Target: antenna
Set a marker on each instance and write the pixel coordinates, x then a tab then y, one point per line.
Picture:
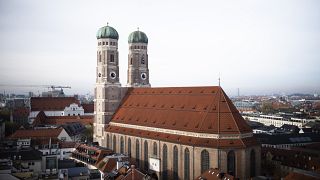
219	79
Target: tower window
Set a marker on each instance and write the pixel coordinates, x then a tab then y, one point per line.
142	60
131	61
111	58
102	43
99	56
106	43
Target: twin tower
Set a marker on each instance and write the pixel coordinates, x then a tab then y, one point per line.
108	90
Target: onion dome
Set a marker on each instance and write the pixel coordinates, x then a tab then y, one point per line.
138	37
107	32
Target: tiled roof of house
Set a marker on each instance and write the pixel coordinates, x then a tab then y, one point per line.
42	119
134	174
51	103
88	108
214	174
205	110
36	133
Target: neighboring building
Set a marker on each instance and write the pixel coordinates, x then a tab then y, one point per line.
287	141
214	174
20	115
187	129
90	155
2	129
55	106
88	109
43	120
277	120
24	160
304	160
245	105
58	133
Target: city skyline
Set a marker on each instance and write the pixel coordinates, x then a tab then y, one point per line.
260	47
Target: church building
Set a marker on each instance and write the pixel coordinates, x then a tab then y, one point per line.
170	132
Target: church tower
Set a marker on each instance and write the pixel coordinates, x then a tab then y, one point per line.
138	72
108	87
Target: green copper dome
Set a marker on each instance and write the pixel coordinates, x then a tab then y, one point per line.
107	32
138	37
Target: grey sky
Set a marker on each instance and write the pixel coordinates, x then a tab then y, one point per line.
257	46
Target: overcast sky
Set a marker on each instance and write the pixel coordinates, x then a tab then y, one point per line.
261	47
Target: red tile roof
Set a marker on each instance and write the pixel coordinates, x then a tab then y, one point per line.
42	119
189	109
88	108
134	174
51	103
36	133
214	174
193	109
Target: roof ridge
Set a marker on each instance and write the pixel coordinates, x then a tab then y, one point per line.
228	105
207	112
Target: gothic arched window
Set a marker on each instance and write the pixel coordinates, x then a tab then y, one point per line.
175	163
146	165
129	147
231	163
121	145
155	149
252	163
131	61
186	164
164	162
204	161
137	153
114	143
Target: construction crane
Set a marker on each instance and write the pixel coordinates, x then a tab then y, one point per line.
52	87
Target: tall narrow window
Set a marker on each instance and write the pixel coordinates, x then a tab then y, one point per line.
155	149
111	58
129	147
204	160
137	153
175	163
121	145
131	61
164	162
186	164
252	163
108	141
146	165
99	56
142	60
231	163
114	143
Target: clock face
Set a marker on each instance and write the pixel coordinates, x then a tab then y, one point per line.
143	76
113	75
